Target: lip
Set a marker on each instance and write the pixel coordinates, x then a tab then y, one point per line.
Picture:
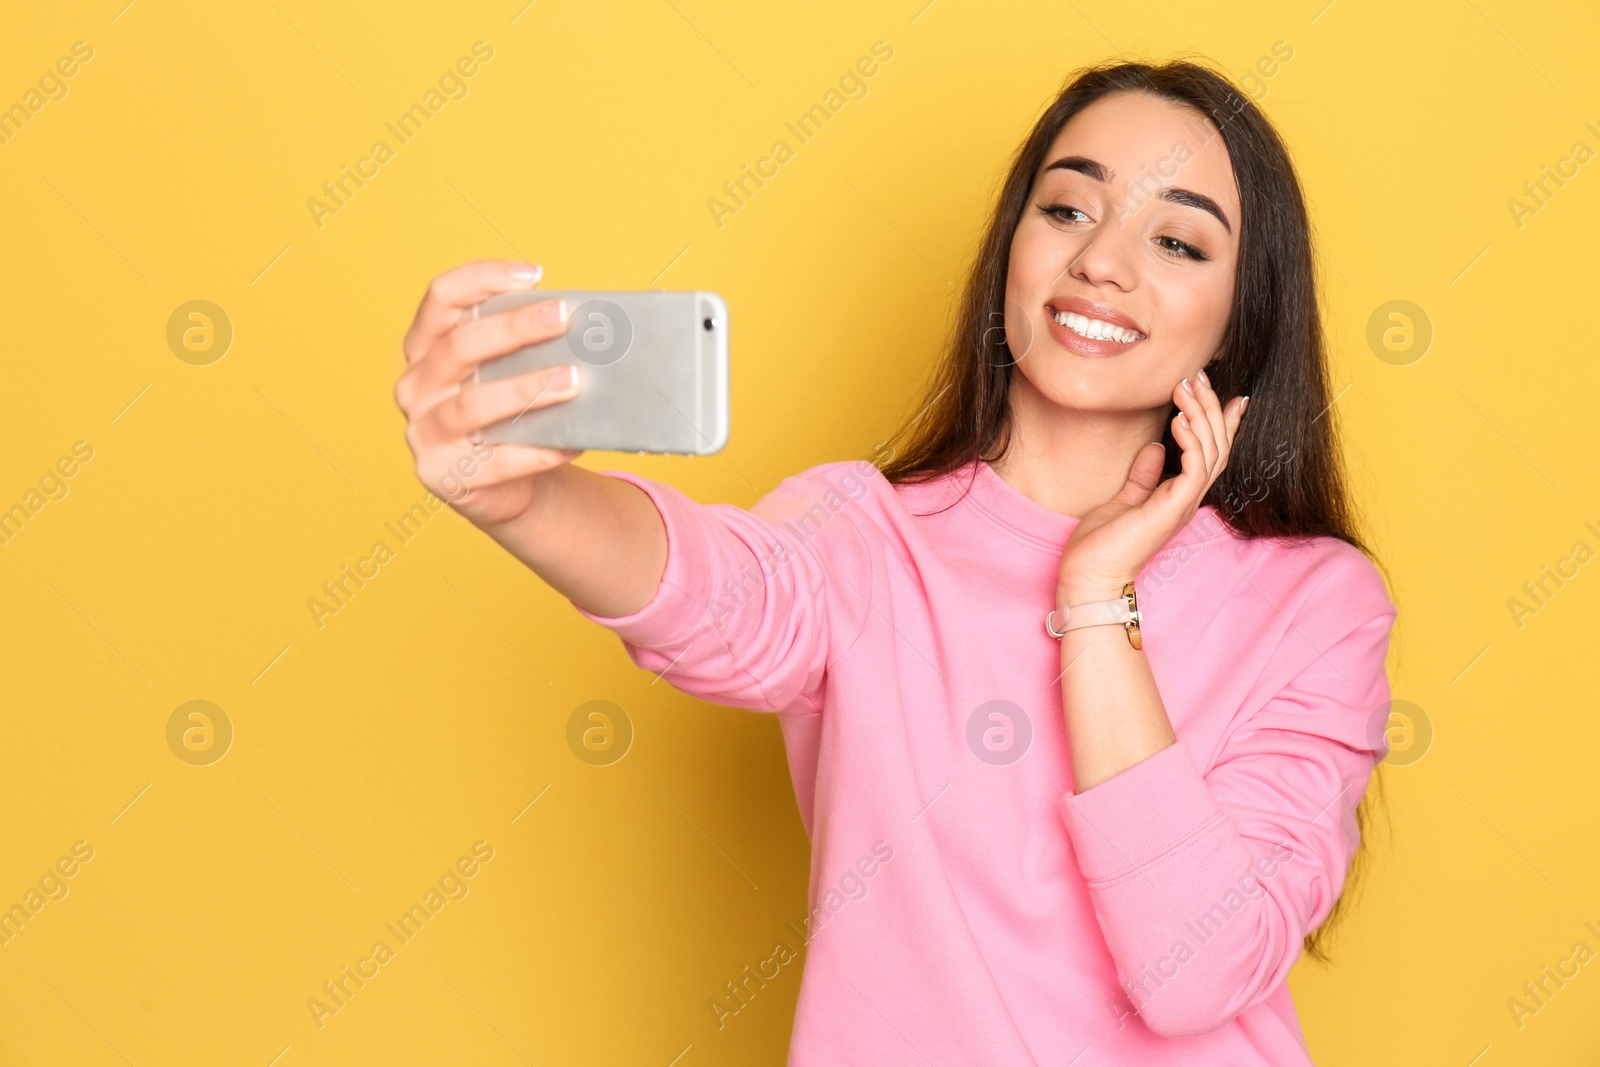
1089	309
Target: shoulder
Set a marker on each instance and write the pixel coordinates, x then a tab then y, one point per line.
834	486
834	507
852	477
1322	583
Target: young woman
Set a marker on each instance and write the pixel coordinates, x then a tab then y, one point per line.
1081	684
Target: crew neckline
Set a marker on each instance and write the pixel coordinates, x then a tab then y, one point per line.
1009	508
1014	511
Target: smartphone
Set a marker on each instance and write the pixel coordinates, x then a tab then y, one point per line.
652	372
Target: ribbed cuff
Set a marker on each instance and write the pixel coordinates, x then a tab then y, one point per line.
1139	814
683	600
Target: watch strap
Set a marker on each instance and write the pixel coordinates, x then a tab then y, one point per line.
1123	610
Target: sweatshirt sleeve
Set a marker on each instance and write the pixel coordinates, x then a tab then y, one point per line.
1206	883
744	610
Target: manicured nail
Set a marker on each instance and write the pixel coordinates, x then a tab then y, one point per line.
552	312
1244	404
528	274
1187	387
565	378
1184	418
1201	374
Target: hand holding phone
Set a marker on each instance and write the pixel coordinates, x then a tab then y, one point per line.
446	414
652	368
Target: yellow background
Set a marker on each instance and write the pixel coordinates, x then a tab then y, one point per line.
425	716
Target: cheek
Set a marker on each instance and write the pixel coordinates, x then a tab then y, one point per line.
1028	260
1193	313
1015	280
1207	308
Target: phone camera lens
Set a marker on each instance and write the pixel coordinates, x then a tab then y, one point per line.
710	323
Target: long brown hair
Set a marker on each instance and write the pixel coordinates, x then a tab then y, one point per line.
1272	350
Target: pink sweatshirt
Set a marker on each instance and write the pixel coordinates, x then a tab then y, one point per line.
967	907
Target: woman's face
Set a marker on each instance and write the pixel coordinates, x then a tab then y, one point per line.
1127	198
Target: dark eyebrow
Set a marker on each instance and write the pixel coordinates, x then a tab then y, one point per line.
1187	197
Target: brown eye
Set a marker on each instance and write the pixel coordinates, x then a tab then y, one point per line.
1181	249
1059	212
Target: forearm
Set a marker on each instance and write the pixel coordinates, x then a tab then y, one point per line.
597	540
1114	713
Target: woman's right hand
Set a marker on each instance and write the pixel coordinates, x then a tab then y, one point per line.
490	484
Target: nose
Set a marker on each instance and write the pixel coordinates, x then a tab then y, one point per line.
1104	256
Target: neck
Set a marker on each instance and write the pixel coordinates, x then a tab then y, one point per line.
1069	460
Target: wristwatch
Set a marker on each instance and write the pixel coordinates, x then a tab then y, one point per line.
1124	610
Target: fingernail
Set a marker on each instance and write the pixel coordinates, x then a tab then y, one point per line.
552	312
564	378
528	274
1187	387
1201	374
1183	417
1244	404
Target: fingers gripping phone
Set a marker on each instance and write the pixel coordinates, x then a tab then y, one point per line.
652	372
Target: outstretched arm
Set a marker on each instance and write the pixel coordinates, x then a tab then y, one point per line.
733	605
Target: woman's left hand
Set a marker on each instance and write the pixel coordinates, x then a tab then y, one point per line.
1113	542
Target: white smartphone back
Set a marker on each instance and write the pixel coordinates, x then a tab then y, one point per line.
652	372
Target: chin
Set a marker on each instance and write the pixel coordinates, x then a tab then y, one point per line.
1070	391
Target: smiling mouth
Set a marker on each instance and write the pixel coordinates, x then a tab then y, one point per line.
1094	329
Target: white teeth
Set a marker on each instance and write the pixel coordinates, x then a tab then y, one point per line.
1096	329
